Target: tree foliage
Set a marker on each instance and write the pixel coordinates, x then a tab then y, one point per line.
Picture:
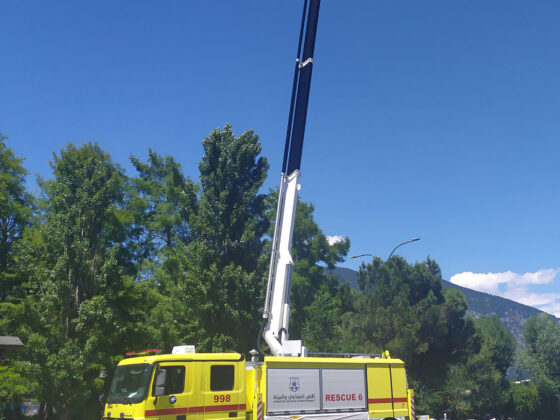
16	206
524	400
75	273
497	343
223	267
313	254
160	199
15	215
542	360
478	388
403	308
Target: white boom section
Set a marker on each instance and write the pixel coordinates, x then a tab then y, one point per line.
277	304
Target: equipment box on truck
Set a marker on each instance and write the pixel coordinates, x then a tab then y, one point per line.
328	388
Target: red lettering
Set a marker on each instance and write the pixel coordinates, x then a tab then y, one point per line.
343	397
222	398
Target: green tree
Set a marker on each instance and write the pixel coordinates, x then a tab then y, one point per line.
13	387
478	388
162	198
524	400
542	360
475	389
222	269
321	330
156	204
403	308
76	269
230	213
497	343
15	215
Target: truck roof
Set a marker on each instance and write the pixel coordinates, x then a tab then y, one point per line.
183	357
271	360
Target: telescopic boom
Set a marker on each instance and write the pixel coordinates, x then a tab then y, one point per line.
276	315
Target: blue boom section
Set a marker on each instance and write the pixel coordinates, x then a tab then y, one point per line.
300	90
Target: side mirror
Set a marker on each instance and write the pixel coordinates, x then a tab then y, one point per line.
161	376
101	398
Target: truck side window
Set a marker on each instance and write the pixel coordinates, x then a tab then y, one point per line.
175	380
222	377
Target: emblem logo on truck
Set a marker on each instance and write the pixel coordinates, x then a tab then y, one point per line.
294	384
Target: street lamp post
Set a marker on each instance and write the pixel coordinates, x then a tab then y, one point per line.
362	255
401	244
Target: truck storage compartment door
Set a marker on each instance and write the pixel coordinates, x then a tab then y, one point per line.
293	391
380	398
400	397
344	390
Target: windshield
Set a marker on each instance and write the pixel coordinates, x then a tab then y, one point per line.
130	384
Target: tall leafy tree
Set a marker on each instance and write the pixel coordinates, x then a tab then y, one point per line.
224	265
478	388
542	360
230	215
76	272
15	215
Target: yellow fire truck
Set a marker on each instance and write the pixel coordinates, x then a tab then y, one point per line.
218	386
290	383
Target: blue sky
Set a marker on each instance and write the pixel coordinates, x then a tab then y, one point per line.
436	119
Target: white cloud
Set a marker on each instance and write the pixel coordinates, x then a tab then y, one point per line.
483	282
553	308
335	239
523	295
545	276
514	286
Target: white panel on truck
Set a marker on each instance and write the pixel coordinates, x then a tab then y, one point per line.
344	389
293	391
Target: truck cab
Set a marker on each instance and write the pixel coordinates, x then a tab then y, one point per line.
173	386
